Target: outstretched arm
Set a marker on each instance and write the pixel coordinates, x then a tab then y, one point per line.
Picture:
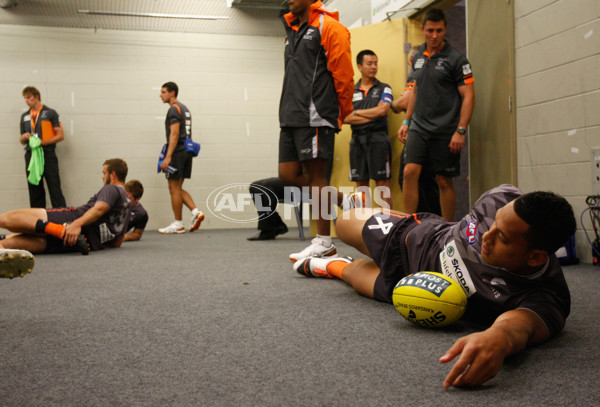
482	354
136	234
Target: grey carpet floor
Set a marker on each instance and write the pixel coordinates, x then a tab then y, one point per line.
210	319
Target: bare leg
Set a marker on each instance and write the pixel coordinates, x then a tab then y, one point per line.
350	225
364	187
447	196
361	275
290	173
187	199
387	198
22	220
31	243
315	172
176	191
410	187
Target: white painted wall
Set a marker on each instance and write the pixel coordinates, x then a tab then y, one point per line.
558	99
105	86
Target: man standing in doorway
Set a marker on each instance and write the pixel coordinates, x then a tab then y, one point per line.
370	147
41	129
177	163
438	114
315	99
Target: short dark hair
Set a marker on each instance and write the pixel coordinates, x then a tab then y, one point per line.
171	87
434	15
550	218
32	91
361	55
119	166
135	187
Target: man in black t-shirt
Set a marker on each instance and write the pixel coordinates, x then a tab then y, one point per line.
99	223
501	253
370	147
177	163
438	114
139	216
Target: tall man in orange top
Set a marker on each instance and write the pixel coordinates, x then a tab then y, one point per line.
316	97
42	122
438	113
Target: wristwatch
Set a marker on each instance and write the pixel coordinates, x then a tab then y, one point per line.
461	130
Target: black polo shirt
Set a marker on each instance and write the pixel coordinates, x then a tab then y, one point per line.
365	100
438	103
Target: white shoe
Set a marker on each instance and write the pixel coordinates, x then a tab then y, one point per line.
355	200
196	221
317	267
317	248
15	263
172	229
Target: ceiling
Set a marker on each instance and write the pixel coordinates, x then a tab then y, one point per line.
243	17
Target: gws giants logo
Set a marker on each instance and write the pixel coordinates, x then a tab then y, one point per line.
471	232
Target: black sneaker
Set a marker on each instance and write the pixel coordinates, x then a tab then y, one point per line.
82	244
269	234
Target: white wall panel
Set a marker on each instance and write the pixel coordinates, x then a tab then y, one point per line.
105	86
558	98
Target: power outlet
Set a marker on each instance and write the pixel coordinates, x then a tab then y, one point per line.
596	171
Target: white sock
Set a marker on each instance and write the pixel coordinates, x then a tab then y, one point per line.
326	240
195	211
178	223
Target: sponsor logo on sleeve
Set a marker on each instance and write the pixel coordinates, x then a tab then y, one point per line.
419	63
454	267
471	232
466	69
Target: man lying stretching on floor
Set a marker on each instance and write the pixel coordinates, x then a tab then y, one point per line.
501	253
98	224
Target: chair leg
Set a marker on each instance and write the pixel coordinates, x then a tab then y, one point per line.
299	220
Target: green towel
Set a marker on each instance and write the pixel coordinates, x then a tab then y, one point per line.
36	164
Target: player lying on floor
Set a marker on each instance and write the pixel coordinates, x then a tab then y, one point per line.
501	253
98	224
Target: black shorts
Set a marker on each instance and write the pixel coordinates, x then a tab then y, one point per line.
370	157
306	143
182	161
65	216
384	235
422	149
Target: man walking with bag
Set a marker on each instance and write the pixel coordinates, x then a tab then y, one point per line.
177	162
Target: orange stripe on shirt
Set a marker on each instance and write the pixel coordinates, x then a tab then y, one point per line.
335	38
397	215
